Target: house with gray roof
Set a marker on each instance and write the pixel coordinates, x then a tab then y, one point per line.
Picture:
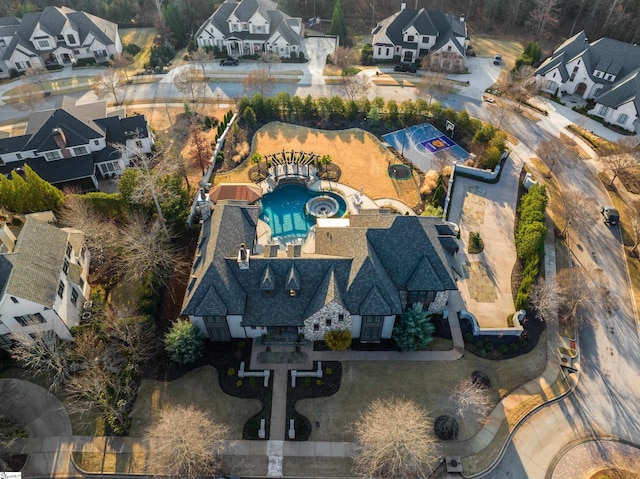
604	71
358	276
251	27
57	35
43	283
74	145
409	35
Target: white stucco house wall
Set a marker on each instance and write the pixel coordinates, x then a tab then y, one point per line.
409	35
57	35
43	281
605	71
251	27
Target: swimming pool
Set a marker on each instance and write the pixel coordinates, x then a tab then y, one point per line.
284	210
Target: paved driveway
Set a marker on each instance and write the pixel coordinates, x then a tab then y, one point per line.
490	210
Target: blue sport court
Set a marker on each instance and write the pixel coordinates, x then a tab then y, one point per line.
420	143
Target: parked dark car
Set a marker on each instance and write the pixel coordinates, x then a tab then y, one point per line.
229	62
406	67
497	60
610	214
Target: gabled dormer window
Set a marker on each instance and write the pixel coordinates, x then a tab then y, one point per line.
71	38
410	38
43	44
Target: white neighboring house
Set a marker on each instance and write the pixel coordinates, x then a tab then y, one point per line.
605	71
43	280
409	34
251	27
74	145
57	35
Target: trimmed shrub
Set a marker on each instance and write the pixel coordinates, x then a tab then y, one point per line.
183	342
338	339
132	49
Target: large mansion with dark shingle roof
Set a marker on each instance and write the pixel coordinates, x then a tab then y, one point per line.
358	277
409	35
74	145
251	27
56	35
43	280
606	71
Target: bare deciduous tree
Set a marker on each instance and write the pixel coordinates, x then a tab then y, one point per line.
269	59
546	297
44	354
635	225
38	75
199	147
149	251
554	153
259	81
344	58
576	290
136	339
108	84
121	62
544	15
395	439
579	209
26	97
189	81
622	156
355	86
519	85
471	402
432	85
186	443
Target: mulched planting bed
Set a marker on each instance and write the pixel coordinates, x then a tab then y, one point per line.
503	347
306	388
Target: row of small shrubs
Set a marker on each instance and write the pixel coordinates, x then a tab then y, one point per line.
487	350
593	141
530	239
485	139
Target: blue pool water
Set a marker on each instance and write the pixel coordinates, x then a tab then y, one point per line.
283	209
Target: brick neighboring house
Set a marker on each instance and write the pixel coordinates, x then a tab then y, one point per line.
74	145
606	71
43	280
57	35
358	278
409	35
251	27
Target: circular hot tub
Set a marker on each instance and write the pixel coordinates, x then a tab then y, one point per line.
322	206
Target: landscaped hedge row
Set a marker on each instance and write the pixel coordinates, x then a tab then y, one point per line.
530	239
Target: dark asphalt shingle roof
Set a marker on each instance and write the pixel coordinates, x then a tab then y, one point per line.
363	267
624	91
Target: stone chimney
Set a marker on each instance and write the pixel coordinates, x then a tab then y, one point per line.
403	6
61	141
294	250
462	17
243	257
7	237
271	251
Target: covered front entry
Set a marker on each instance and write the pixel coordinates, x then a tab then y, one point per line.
407	57
281	335
581	88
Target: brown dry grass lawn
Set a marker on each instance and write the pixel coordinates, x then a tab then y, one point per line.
361	157
428	383
197	388
489	46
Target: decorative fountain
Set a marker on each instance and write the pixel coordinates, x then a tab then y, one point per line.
322	207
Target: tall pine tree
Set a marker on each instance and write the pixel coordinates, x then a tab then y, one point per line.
338	26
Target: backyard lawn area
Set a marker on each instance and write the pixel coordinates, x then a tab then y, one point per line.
143	37
489	46
197	388
361	158
428	383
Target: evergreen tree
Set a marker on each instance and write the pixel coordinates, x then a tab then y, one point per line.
183	342
175	21
28	194
249	117
414	330
338	25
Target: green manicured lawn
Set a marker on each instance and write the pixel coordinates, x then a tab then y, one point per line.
489	46
197	388
143	37
428	383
